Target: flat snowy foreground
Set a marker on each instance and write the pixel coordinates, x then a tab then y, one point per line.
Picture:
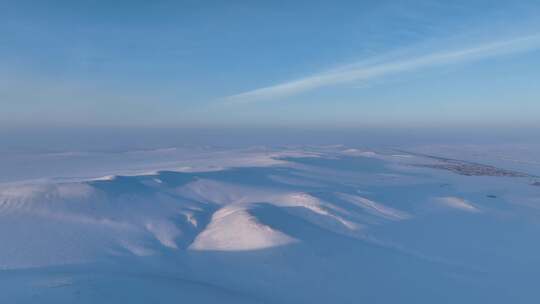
302	225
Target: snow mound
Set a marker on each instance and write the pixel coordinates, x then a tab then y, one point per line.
232	228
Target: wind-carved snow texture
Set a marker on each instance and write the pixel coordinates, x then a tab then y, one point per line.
458	203
291	225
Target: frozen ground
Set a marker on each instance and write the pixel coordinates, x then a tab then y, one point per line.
325	224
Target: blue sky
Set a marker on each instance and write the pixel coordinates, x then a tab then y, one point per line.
270	63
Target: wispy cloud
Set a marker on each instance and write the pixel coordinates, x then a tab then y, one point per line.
362	72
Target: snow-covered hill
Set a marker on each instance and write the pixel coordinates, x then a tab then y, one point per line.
317	224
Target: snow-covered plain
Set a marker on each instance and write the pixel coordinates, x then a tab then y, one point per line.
328	224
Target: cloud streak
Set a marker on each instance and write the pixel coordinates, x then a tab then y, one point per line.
362	72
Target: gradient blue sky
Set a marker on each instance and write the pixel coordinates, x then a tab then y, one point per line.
270	63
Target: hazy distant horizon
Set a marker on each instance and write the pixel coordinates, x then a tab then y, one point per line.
31	139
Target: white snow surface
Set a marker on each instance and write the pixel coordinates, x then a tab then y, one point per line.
289	225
